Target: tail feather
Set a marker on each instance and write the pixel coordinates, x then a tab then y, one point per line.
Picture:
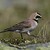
3	31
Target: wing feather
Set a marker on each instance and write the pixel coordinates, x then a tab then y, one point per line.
19	26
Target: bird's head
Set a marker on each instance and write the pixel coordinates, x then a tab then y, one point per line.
35	16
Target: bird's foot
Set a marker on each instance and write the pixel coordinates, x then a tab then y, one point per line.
23	40
34	36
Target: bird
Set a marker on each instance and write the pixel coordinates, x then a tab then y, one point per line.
25	26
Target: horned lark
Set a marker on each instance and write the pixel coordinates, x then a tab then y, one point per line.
25	26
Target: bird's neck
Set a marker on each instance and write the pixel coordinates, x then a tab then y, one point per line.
36	20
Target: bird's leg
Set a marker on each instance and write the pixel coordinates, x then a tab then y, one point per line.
22	39
28	33
21	35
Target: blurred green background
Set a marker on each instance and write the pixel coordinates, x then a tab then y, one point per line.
14	11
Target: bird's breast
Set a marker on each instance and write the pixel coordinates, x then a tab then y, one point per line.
33	26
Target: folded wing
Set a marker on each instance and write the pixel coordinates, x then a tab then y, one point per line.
20	26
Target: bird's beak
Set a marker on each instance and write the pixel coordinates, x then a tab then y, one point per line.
41	17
